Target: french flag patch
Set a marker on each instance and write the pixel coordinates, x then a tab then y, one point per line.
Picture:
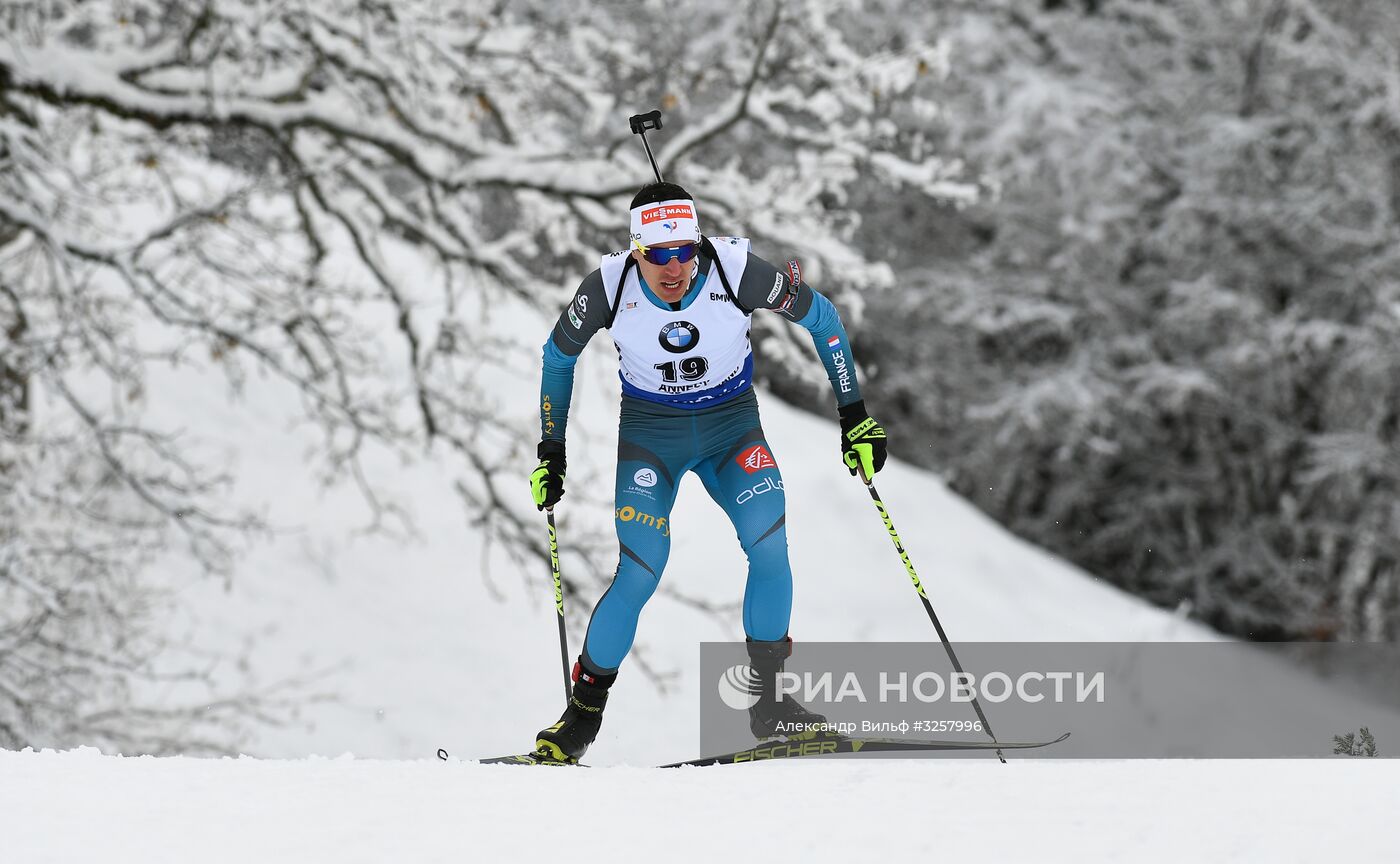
833	342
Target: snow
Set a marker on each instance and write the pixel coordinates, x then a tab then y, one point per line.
83	806
435	637
428	649
73	72
425	649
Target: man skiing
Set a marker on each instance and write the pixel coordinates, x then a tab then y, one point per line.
678	306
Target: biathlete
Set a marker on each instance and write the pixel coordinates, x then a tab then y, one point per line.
678	307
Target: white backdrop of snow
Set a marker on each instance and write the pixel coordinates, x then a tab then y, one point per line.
82	807
424	654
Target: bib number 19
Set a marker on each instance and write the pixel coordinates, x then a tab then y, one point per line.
691	369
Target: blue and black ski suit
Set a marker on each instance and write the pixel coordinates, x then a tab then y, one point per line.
688	404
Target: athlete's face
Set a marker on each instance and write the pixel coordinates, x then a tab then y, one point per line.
669	280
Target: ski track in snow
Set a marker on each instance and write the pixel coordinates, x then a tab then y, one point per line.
83	806
423	654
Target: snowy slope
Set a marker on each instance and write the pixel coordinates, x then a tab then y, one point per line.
426	648
435	640
82	806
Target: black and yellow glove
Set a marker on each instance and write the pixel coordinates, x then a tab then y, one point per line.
547	480
862	440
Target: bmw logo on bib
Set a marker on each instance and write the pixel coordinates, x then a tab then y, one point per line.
679	337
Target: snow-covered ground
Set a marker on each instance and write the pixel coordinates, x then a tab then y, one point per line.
85	807
424	654
427	646
441	640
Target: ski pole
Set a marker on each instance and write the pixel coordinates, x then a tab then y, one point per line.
640	123
928	607
559	601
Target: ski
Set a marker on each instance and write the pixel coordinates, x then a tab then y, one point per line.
834	745
529	759
535	758
795	749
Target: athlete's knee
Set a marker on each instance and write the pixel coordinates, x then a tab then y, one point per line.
634	582
765	537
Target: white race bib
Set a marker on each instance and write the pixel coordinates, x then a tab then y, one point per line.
688	357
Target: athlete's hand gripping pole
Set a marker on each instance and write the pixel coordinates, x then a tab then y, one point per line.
863	444
928	607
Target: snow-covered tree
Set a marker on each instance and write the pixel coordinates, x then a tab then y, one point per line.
1168	349
333	196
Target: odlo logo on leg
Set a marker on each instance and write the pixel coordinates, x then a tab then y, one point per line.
767	484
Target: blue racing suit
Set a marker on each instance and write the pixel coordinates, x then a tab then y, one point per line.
695	410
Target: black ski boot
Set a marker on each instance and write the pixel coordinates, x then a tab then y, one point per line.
568	740
774	715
